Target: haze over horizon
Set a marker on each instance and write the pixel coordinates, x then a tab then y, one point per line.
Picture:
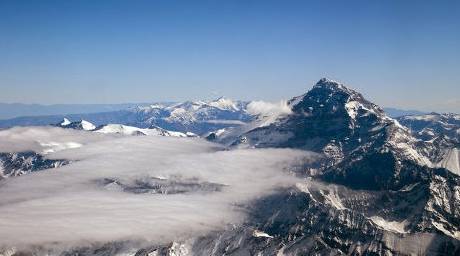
398	54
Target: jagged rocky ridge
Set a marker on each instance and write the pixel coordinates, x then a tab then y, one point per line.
440	134
20	163
431	126
160	185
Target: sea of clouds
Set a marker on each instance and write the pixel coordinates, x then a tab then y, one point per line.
69	205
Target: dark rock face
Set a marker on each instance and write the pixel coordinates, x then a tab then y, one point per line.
321	116
331	111
155	185
364	147
16	164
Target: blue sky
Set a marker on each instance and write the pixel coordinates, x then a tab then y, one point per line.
397	53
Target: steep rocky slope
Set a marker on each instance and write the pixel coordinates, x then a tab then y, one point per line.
20	163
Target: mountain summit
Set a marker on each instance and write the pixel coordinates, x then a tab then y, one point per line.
363	147
329	112
78	125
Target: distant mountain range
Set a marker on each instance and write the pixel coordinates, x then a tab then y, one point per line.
395	112
12	110
22	112
191	116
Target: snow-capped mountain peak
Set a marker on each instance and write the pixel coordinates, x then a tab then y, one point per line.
65	122
329	83
131	130
329	96
340	123
87	126
78	125
224	103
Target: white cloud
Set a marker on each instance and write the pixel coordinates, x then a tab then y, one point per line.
45	139
268	108
267	112
68	205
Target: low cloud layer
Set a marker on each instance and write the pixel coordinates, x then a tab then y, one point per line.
268	108
45	139
268	112
70	205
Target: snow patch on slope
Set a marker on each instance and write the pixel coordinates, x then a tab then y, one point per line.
121	129
394	226
258	233
65	122
224	103
440	227
131	130
87	126
352	108
451	161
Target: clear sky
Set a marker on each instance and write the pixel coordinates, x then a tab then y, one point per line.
397	53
